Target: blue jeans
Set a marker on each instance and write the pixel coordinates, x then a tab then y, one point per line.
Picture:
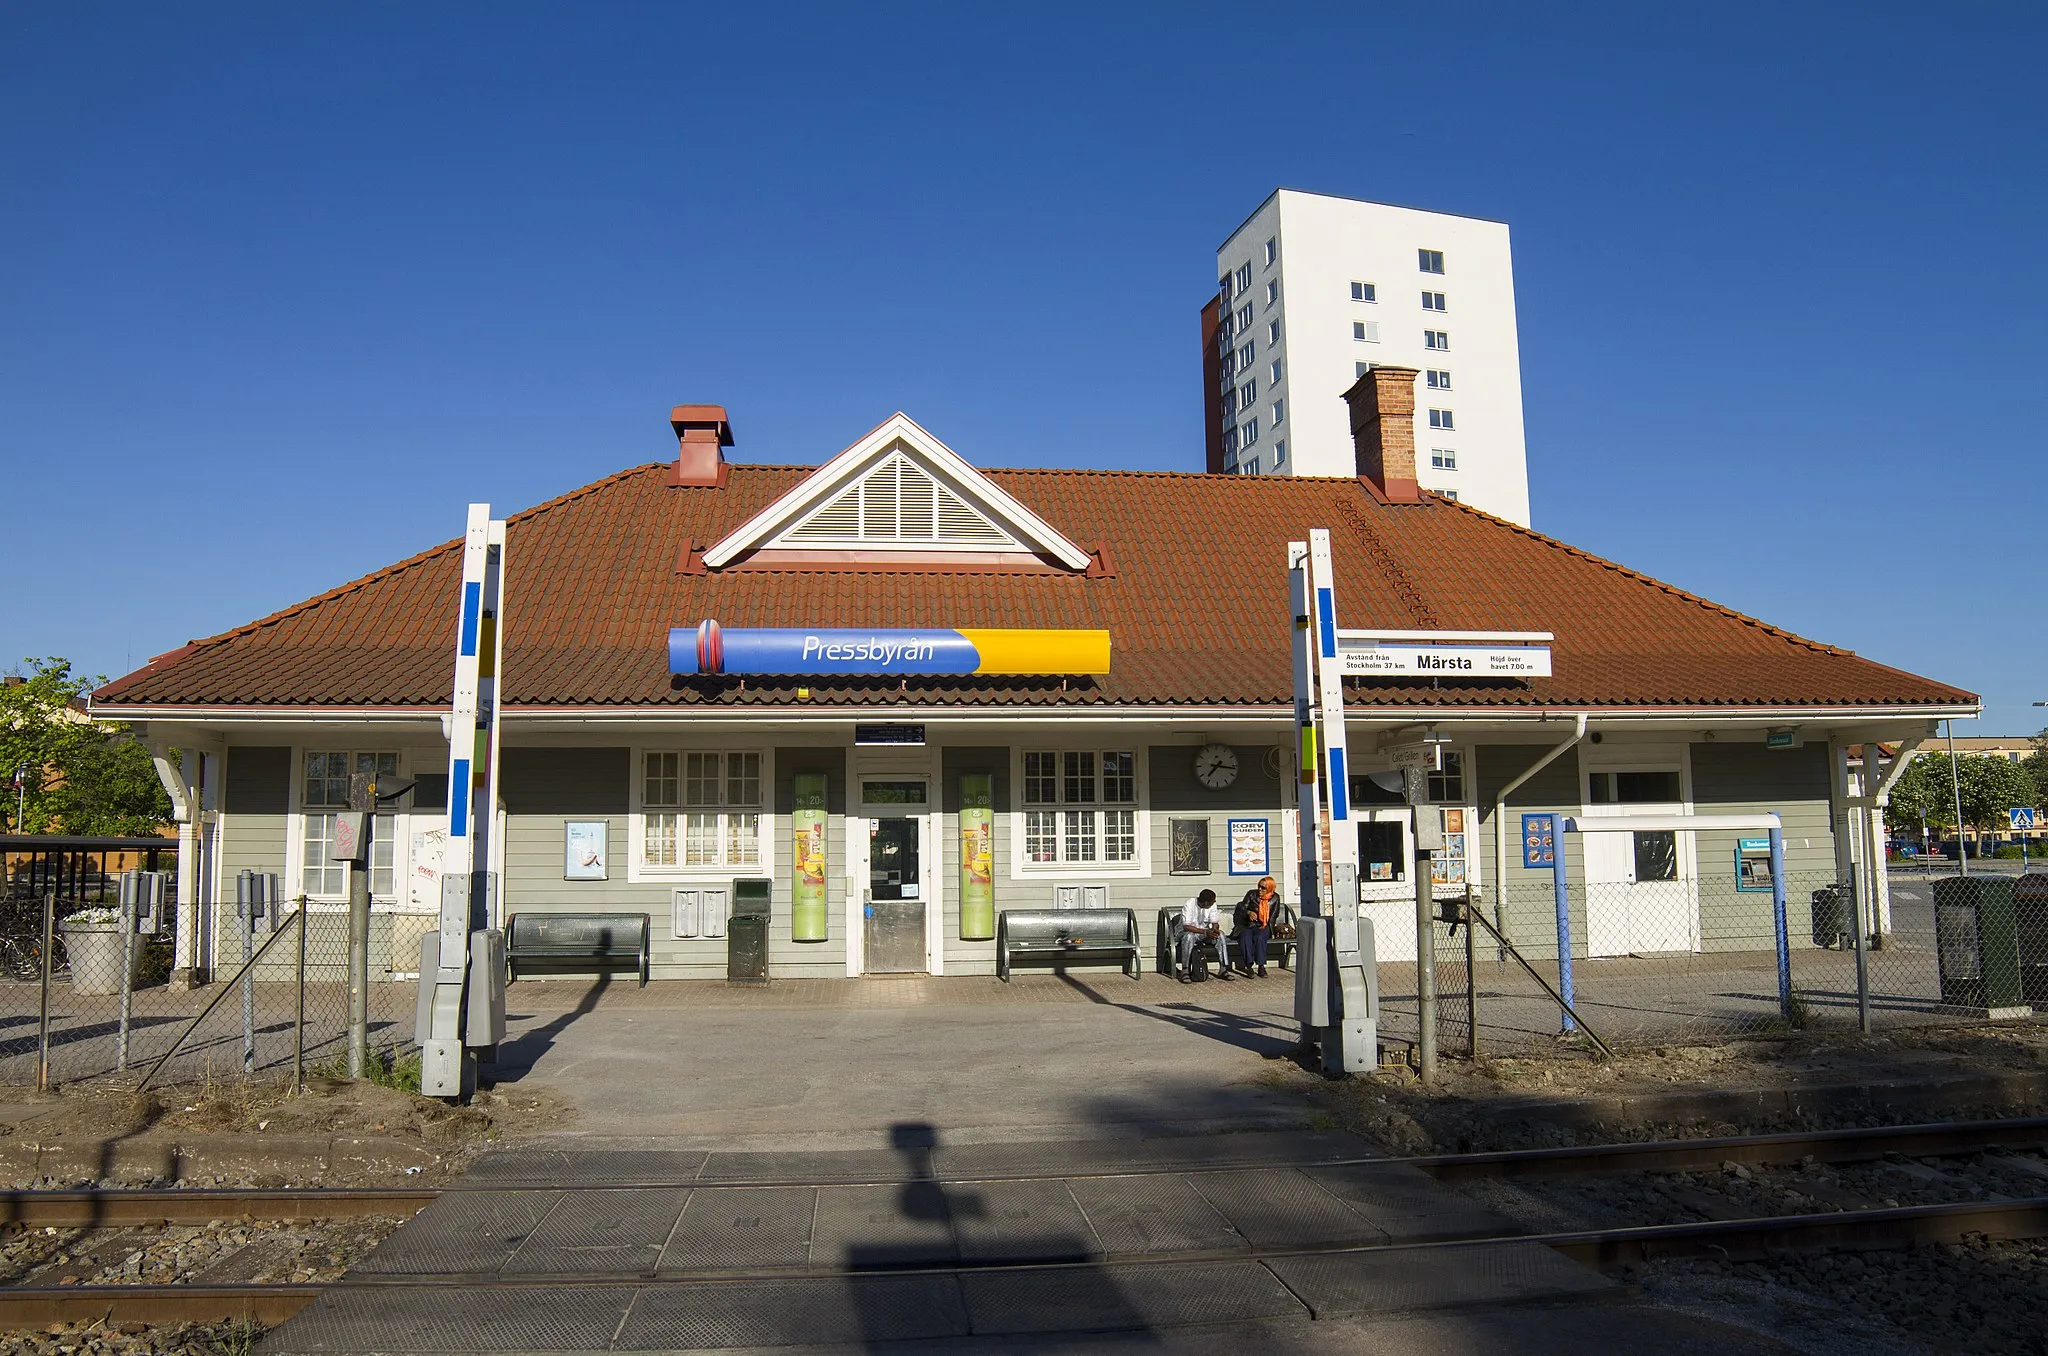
1190	940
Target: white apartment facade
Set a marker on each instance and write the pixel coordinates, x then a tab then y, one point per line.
1313	290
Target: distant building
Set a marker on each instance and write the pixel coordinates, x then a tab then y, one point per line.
1313	291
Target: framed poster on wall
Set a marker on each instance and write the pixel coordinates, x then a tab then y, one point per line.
1248	848
585	853
1190	848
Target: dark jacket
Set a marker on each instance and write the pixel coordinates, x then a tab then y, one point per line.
1241	916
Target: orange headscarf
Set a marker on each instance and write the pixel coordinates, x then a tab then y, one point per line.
1262	907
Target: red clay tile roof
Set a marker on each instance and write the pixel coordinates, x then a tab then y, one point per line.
1196	608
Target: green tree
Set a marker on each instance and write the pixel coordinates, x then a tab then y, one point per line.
2036	765
79	775
1992	787
1921	798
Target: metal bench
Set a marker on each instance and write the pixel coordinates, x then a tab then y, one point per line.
578	941
1067	934
1166	953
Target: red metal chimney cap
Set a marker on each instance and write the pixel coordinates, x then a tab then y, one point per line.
701	416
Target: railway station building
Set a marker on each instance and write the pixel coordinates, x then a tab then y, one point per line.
1094	705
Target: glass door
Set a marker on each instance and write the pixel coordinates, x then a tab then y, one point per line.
893	910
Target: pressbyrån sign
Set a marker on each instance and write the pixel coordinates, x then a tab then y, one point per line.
709	648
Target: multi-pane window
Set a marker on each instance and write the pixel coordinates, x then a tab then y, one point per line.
1432	261
1447	783
1272	334
1247	393
1273	375
1443	459
1229	404
1279	411
1080	805
1272	248
1360	369
1439	340
1245	355
322	796
1366	331
1280	452
1230	439
1433	301
1364	291
1272	292
1439	380
1244	317
701	809
1441	419
1451	495
1249	468
1251	431
1244	276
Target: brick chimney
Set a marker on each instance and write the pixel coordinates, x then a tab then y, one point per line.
701	430
1383	431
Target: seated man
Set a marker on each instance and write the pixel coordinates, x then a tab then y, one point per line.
1201	921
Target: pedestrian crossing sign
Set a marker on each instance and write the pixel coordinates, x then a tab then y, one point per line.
2022	816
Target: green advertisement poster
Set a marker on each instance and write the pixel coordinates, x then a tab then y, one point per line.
807	844
977	857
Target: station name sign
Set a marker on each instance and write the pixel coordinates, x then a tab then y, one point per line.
709	648
1444	654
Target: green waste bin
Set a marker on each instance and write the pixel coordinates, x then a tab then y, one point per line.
2030	915
746	935
1976	942
1831	916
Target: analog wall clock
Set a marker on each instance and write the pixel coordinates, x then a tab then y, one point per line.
1215	766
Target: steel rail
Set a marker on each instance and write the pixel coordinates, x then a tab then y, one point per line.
89	1208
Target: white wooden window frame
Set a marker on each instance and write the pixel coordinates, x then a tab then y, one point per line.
1140	864
637	867
295	835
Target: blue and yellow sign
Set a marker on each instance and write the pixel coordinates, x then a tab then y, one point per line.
848	651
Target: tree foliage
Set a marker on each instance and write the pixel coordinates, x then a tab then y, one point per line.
80	776
1925	794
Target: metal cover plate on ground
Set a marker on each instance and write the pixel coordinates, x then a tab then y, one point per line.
1068	1158
843	1165
1021	1222
1282	1208
726	1228
1133	1215
797	1311
461	1234
868	1228
444	1318
602	1233
1082	1299
1382	1280
587	1167
1409	1204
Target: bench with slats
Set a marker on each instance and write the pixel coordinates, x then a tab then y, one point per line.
577	941
1066	935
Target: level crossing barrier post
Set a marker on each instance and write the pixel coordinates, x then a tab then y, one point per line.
1561	888
1425	962
43	1020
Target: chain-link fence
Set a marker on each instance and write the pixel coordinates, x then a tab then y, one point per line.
276	1001
1698	959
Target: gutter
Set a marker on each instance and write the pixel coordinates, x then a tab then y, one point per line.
1500	824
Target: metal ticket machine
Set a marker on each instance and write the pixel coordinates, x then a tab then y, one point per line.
1336	984
462	963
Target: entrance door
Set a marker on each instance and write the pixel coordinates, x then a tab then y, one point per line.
1639	886
894	903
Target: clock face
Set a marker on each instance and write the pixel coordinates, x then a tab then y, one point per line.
1216	766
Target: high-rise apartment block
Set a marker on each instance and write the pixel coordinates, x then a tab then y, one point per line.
1314	291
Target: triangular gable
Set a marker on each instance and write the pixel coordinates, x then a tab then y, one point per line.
895	492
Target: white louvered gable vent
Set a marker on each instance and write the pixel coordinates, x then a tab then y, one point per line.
899	502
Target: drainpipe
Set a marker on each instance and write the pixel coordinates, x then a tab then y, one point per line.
1500	824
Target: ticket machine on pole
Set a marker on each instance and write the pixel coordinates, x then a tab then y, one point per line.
1336	979
462	962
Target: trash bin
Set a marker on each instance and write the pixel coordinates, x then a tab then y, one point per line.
2030	925
1976	942
746	935
1831	916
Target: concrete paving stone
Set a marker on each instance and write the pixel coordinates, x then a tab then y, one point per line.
872	1228
1409	1204
1099	1298
1022	1222
453	1319
1387	1280
791	1312
1134	1215
618	1232
833	1165
735	1228
1284	1208
461	1234
966	1162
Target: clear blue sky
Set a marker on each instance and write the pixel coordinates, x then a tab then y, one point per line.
282	287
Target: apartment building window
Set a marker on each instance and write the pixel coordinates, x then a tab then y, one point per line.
1230	440
1443	459
1229	403
1272	291
1279	412
1273	376
1360	369
1272	248
1080	806
1440	419
1251	432
1280	452
1247	393
1223	288
701	809
1244	317
1244	277
323	796
1432	261
1451	495
1439	380
1245	356
1250	468
1433	301
1272	333
1440	340
1364	291
1366	331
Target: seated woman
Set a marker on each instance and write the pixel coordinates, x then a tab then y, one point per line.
1253	918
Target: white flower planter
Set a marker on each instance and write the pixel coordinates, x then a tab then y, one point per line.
95	952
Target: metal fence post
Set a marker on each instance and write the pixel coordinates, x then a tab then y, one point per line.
1425	963
131	885
1471	980
299	1027
1779	924
359	965
43	1021
251	900
1561	887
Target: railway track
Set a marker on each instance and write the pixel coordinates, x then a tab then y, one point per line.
1730	1239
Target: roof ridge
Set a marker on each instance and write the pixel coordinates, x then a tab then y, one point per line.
410	562
1688	595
